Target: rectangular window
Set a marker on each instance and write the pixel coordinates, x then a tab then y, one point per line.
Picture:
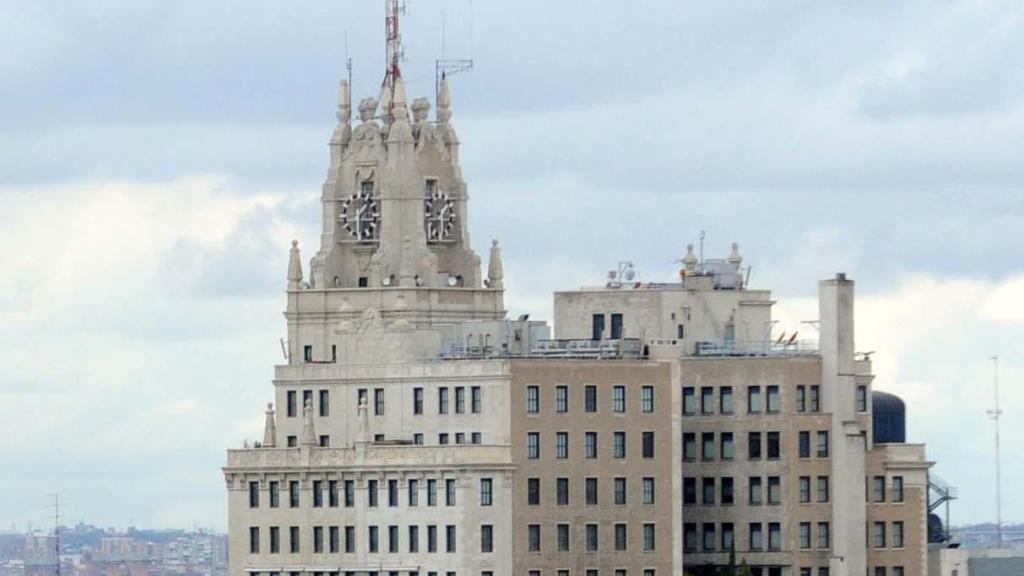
708	491
533	445
591	444
562	491
325	441
897	488
878	534
727	491
597	327
486	538
350	493
474	399
442	438
307	353
460	399
486	491
753	399
862	398
361	399
619	445
689	400
371	493
897	534
442	400
417	400
709	537
414	539
373	540
318	539
619	399
293	539
332	493
689	491
350	539
431	492
417	438
590	398
333	540
474	438
774	536
533	537
532	399
689	446
275	540
774	490
756	537
591	491
647	399
392	493
449	538
431	538
393	539
254	494
561	445
728	450
616	326
592	542
805	493
774	449
823	444
801	398
707	445
620	537
318	494
754	445
725	400
378	402
646	445
805	535
413	492
815	399
533	491
275	494
460	437
690	537
648	484
823	489
804	448
307	399
293	494
824	538
878	489
449	492
620	491
561	399
563	537
707	400
756	496
325	403
728	536
649	541
292	410
774	403
292	441
254	540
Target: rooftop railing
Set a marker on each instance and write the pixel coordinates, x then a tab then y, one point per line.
756	348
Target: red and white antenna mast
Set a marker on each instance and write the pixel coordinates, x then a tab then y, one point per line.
394	41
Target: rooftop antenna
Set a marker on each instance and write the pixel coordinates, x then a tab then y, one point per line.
348	61
994	414
702	235
445	66
394	41
56	529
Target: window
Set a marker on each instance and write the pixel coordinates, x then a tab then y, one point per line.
460	399
533	445
563	537
647	399
431	538
318	539
619	445
486	538
254	494
413	492
291	403
325	441
753	399
307	399
417	438
350	539
689	491
350	494
597	327
562	491
318	494
275	494
801	398
647	445
805	535
728	536
449	538
690	536
804	444
756	537
774	490
417	400
897	488
815	398
293	539
332	493
474	438
533	537
773	446
590	398
414	539
756	489
373	539
561	445
689	400
727	449
898	571
371	493
774	536
878	489
805	493
442	438
616	326
620	537
474	399
862	398
254	540
361	398
707	400
725	400
879	570
822	444
378	402
325	403
754	445
591	444
293	494
561	399
292	441
442	400
333	540
878	535
708	537
824	539
486	491
897	534
591	491
727	491
532	399
620	491
533	491
708	491
774	403
707	445
449	492
431	492
393	539
689	446
592	542
648	490
392	493
822	488
619	399
307	353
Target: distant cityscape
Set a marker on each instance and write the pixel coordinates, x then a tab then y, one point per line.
87	550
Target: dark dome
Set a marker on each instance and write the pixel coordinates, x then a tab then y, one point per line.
890	418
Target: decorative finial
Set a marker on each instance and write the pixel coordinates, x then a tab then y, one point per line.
420	110
367	107
269	428
734	258
690	260
444	101
294	267
495	268
344	103
308	431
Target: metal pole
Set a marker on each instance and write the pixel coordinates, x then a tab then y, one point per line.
995	416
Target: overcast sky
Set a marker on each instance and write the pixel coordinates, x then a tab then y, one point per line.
157	157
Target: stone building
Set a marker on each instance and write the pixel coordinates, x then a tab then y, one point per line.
415	430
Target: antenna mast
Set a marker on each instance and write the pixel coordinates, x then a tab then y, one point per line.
994	414
445	66
394	41
56	529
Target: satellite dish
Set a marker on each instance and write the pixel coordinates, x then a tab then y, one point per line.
630	275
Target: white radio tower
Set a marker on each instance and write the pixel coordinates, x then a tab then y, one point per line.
994	414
